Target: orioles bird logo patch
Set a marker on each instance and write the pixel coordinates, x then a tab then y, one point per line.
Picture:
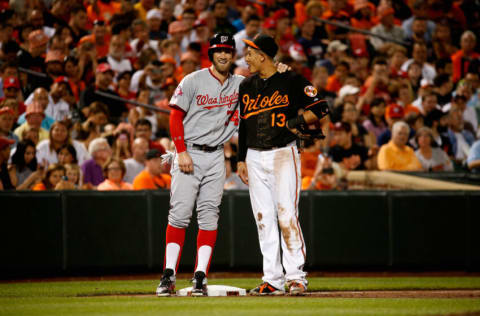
311	91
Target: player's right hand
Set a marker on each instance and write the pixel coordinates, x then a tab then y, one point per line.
242	171
185	162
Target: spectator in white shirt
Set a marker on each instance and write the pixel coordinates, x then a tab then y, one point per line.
136	164
116	55
419	54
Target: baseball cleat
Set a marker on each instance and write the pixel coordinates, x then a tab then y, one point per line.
167	283
266	289
199	284
296	288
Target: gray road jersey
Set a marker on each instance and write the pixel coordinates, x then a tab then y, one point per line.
211	108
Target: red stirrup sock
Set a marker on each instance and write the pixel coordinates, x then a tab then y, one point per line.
205	244
173	249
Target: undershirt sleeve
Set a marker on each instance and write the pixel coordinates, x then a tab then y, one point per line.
176	128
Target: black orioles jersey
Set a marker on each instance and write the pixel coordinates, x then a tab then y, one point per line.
267	104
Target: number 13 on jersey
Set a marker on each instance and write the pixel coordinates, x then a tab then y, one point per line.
278	119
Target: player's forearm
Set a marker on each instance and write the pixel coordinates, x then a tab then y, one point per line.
242	142
176	129
474	164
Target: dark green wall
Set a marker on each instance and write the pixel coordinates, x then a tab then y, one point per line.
84	232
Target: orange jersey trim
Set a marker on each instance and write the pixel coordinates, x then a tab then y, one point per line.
263	110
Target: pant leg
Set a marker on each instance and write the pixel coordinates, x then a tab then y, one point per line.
287	190
183	193
210	188
264	211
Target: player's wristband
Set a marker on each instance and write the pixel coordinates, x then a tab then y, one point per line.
294	122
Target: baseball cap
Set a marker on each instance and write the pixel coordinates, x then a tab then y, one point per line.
37	38
153	153
341	126
347	90
297	53
61	79
54	55
4	142
384	10
360	4
154	14
103	67
280	14
265	43
336	45
269	24
11	82
168	59
6	110
395	111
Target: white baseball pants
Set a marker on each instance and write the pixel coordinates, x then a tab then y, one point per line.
274	184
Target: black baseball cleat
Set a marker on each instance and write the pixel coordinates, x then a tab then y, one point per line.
199	284
266	289
167	283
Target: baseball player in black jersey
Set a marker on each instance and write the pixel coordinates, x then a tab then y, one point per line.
269	162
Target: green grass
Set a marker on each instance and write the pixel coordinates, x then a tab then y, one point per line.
82	298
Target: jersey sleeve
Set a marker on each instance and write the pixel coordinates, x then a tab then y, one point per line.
306	97
183	95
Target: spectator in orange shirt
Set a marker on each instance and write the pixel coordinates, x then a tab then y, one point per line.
114	170
396	155
461	59
53	179
335	81
152	177
99	38
103	10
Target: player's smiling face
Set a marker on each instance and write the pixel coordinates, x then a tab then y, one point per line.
222	60
254	59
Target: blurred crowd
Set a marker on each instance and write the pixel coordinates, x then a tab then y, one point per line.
402	82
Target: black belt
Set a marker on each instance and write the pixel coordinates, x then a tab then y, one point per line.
267	148
207	148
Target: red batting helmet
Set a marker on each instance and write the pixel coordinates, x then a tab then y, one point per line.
221	40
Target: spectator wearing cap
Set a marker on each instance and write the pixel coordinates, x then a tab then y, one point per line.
431	158
54	63
153	176
100	151
252	27
34	117
385	28
99	38
419	55
312	45
7	119
299	61
114	171
337	13
349	154
8	69
103	79
103	10
136	164
473	159
220	13
78	22
462	59
336	52
154	22
393	114
40	96
11	90
167	8
269	27
364	12
5	179
396	155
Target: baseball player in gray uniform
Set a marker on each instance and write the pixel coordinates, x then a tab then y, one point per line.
204	116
